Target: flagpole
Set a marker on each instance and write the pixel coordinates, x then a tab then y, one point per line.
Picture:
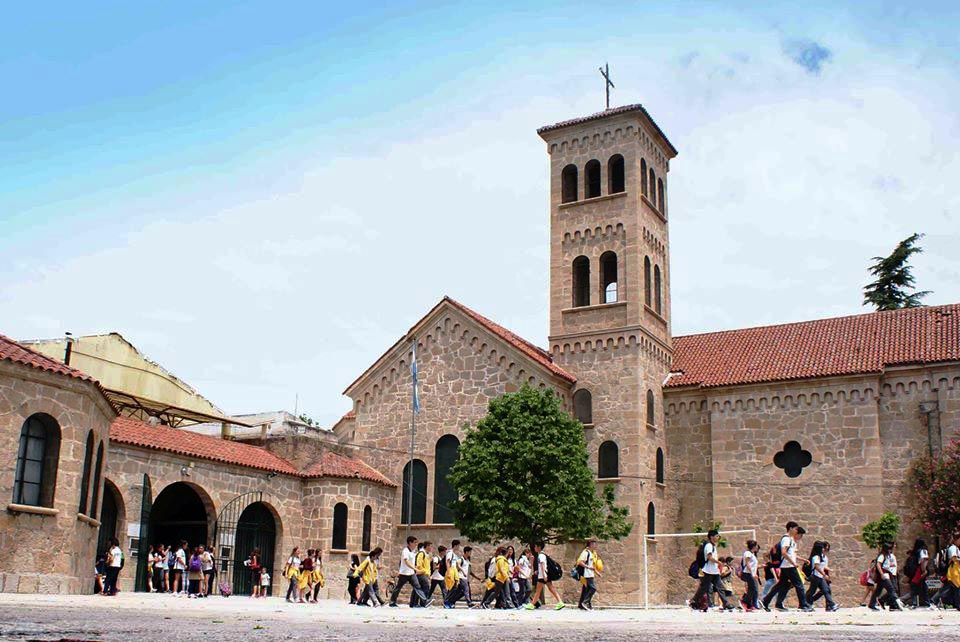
413	433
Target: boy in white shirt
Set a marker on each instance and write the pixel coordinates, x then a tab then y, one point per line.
789	575
587	563
541	579
710	579
408	574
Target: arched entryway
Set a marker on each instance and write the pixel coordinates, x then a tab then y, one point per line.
111	518
245	523
179	513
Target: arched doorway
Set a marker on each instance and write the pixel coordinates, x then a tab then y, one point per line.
178	513
111	515
255	529
246	522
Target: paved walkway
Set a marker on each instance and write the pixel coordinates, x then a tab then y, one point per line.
139	616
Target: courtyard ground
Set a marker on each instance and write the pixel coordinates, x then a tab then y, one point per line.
140	616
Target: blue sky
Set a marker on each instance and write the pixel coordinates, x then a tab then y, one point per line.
304	180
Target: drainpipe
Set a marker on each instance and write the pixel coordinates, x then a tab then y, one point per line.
68	350
931	410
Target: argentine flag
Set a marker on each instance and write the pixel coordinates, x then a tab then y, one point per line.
413	374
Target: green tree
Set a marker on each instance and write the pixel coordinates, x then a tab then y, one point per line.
893	288
933	487
884	529
522	474
702	527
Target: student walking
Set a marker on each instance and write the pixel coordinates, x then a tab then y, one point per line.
500	576
786	551
542	579
423	565
950	593
207	565
353	582
915	570
114	564
885	570
587	565
436	573
820	576
524	573
749	573
408	574
710	577
292	572
368	571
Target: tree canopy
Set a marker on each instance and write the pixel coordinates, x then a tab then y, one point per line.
893	288
934	486
522	474
883	529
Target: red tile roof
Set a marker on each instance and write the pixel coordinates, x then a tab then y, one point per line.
341	467
613	111
10	350
184	442
534	352
861	344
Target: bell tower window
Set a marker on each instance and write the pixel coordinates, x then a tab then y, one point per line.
615	175
608	276
581	282
568	184
591	179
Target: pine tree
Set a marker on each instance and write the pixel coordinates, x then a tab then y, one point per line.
893	287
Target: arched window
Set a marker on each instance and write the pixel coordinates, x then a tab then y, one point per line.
651	409
615	175
37	461
367	528
85	478
608	460
608	277
583	406
660	202
568	184
581	281
653	187
97	482
419	482
339	527
657	290
591	179
651	519
647	296
643	176
660	476
444	494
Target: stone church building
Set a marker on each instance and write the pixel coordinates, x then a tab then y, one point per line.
815	421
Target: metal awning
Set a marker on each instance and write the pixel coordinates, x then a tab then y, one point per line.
142	409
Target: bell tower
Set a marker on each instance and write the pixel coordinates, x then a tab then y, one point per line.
610	303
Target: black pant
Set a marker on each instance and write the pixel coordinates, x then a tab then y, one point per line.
454	594
753	591
414	584
424	582
919	594
110	585
587	592
443	588
890	599
208	575
788	576
819	587
709	582
352	585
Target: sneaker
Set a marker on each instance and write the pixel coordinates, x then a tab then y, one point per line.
393	605
447	606
559	606
428	603
873	608
807	609
833	609
581	607
782	609
528	607
765	608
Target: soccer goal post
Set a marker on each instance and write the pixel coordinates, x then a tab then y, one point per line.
656	536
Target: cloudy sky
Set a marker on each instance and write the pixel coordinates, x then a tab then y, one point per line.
263	198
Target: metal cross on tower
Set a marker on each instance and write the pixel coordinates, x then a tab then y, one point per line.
605	72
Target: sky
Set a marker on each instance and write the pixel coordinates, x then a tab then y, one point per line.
263	197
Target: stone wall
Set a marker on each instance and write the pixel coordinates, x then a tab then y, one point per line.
53	552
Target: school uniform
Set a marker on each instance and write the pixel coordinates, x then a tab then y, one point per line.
407	574
423	577
710	579
819	586
886	574
589	589
919	595
437	579
789	575
748	573
524	574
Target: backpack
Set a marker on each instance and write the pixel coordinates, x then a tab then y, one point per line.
442	567
807	569
697	563
741	570
225	590
911	566
554	570
943	564
195	564
776	554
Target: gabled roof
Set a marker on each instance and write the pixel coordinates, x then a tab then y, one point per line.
614	111
860	344
341	467
536	354
190	444
10	350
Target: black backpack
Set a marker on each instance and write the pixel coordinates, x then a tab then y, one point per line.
943	563
807	569
443	565
911	565
697	564
554	570
776	554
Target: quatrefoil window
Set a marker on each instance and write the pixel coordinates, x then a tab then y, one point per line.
792	459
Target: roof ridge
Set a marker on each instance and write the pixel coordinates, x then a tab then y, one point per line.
808	321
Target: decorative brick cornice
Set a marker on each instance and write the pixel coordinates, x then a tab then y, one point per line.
749	400
922	384
656	246
628	338
610	231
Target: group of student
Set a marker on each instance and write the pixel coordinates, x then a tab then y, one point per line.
510	581
784	568
181	570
